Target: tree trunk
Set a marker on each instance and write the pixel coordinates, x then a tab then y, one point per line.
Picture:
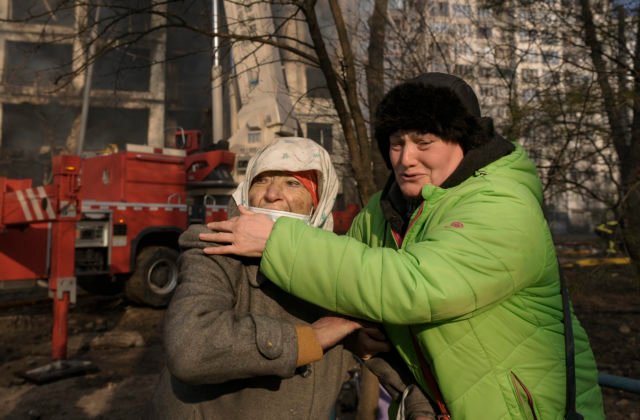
351	120
627	145
631	177
375	83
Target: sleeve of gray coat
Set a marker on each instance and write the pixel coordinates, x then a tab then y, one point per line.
206	341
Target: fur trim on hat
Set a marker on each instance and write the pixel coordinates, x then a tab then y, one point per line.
427	109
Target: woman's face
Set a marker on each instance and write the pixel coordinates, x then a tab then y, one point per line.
277	190
420	159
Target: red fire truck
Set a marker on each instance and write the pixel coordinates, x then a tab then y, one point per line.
124	212
110	219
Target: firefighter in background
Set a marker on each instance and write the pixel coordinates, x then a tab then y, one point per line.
609	232
237	346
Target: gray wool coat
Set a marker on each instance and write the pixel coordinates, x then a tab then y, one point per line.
231	346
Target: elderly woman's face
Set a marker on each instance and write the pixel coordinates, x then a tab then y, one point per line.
277	190
420	159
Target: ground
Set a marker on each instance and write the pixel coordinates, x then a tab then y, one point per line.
607	302
123	341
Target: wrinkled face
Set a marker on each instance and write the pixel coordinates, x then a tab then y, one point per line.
277	190
419	159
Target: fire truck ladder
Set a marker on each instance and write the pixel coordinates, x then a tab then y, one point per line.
56	206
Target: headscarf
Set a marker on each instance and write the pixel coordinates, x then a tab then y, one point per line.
296	154
309	180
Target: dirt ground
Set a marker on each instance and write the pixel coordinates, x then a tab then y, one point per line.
124	343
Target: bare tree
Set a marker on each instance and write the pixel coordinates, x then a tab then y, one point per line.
586	110
616	63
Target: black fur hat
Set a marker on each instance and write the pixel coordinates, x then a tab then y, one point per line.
435	103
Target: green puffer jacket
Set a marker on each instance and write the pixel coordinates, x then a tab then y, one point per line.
476	278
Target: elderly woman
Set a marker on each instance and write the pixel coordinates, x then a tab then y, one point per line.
237	346
454	256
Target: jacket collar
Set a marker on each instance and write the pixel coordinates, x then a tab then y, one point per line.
397	209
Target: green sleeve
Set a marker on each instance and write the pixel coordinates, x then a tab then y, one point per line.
442	273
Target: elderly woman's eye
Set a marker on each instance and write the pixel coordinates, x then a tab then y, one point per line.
260	180
292	182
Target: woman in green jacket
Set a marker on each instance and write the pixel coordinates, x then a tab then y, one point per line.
454	256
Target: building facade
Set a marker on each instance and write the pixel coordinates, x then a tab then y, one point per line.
528	65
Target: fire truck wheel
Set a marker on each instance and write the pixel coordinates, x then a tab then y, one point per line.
155	277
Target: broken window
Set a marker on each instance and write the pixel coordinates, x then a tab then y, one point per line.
116	126
123	69
29	64
52	12
124	18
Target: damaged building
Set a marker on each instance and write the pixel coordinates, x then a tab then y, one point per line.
139	86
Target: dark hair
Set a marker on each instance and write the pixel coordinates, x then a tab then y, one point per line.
429	108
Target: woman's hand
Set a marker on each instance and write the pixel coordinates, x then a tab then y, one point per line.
330	330
246	235
369	341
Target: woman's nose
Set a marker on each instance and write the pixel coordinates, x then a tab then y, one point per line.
273	192
407	158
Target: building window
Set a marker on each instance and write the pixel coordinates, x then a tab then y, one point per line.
551	57
463	70
528	35
488	91
505	72
530	75
440	27
484	12
316	83
254	136
241	166
461	10
440	9
502	112
463	50
123	125
484	32
120	20
50	12
123	69
531	57
464	29
503	53
28	64
550	39
254	77
487	72
321	134
552	77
